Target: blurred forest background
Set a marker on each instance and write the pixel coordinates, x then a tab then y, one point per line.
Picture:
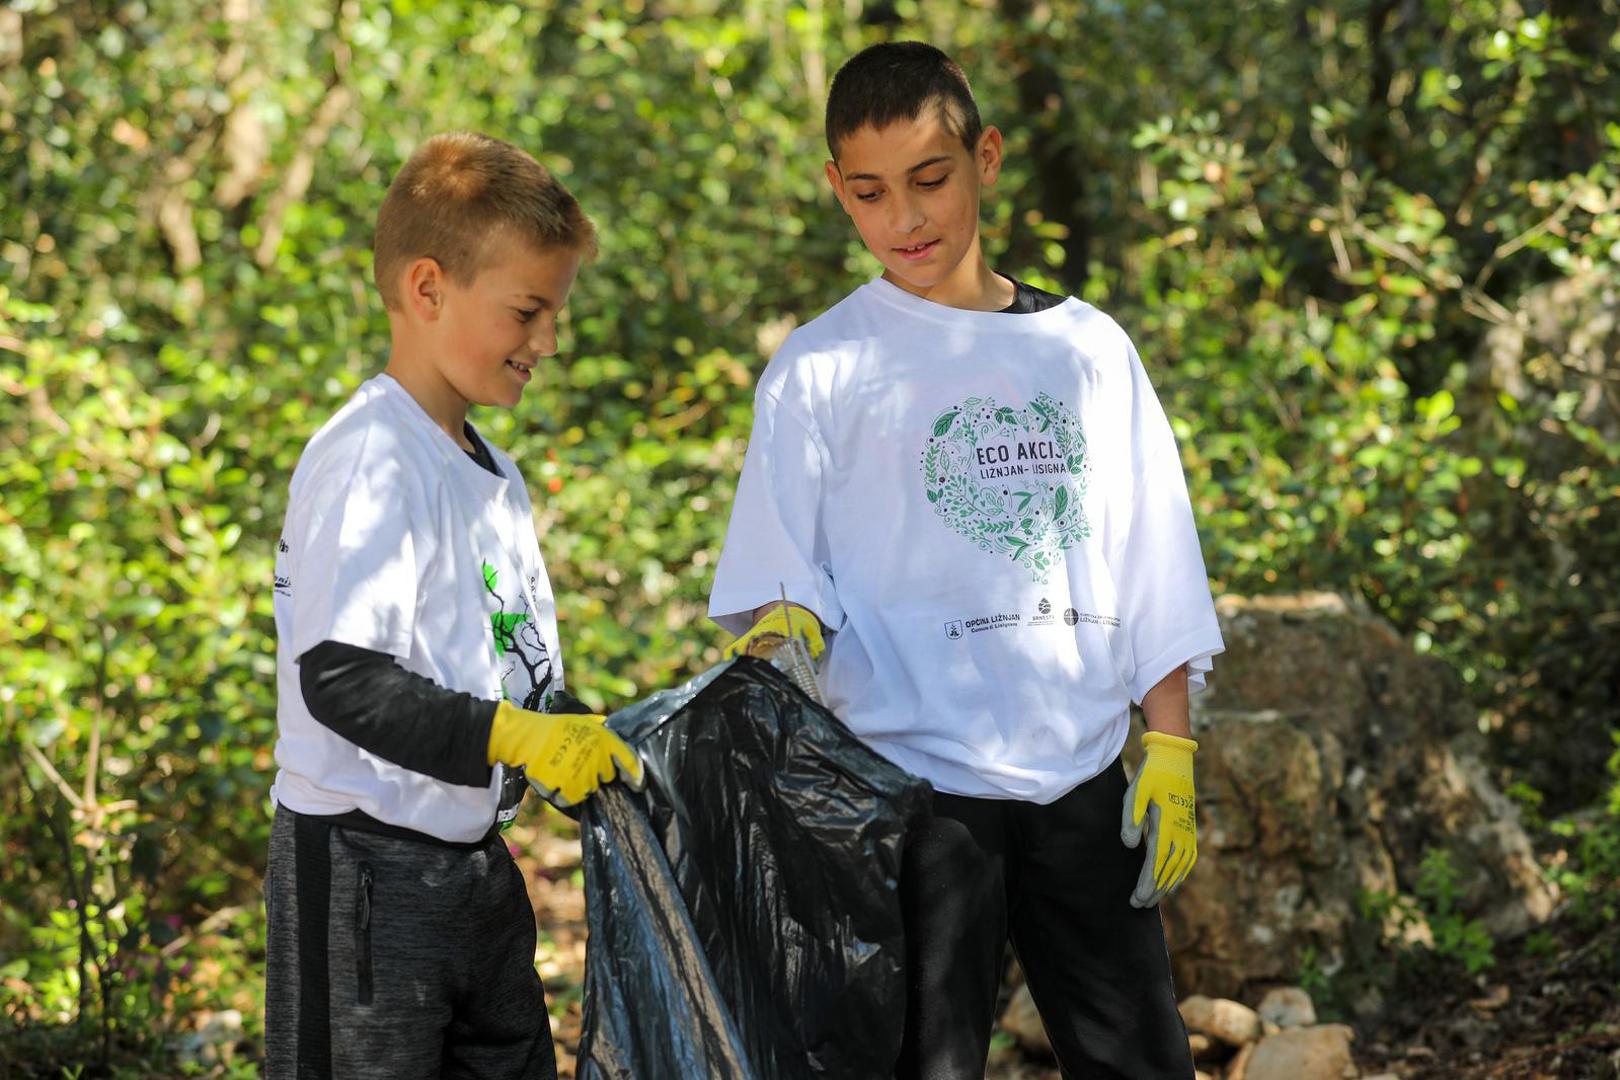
1369	250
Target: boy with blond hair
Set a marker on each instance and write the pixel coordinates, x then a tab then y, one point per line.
968	489
419	676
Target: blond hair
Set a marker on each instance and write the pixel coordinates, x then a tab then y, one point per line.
457	190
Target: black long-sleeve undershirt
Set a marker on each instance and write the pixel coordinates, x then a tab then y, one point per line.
400	716
403	717
408	719
1027	299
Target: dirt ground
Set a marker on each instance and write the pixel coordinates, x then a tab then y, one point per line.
1549	1010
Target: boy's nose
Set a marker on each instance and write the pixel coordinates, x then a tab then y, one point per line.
907	216
544	341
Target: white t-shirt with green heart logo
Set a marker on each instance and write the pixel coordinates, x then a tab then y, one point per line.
989	512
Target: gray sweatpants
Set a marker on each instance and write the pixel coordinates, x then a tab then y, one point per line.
397	959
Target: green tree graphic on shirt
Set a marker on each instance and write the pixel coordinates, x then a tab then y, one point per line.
519	645
503	623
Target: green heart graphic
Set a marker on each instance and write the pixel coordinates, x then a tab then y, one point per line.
1010	480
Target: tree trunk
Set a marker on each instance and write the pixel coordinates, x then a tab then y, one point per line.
1055	151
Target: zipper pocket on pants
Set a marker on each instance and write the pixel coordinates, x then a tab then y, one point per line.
362	933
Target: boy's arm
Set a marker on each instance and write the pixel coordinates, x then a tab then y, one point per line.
412	721
408	719
1165	707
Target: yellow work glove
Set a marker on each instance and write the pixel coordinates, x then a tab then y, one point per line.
774	628
566	755
1162	796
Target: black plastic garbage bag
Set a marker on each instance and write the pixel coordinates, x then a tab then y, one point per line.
743	912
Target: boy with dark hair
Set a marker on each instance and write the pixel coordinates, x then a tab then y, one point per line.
417	659
968	488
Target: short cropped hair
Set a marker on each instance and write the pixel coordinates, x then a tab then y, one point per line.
459	189
897	80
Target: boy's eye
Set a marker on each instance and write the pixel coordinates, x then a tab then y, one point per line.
931	184
525	314
867	196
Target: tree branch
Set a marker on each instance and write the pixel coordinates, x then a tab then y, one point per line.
334	101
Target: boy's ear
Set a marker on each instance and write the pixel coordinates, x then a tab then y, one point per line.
988	155
424	288
836	179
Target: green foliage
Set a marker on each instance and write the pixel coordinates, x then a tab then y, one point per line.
1308	224
1591	878
1316	981
1428	922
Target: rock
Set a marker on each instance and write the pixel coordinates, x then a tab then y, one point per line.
1228	1021
1499	996
1239	1065
1304	1053
1333	759
1287	1006
1022	1021
213	1042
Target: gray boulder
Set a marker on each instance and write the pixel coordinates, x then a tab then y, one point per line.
1332	759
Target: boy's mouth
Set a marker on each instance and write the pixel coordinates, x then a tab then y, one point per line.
525	370
917	251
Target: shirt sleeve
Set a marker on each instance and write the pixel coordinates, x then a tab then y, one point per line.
1158	566
776	541
400	716
358	550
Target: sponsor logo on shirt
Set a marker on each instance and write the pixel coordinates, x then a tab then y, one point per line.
1045	615
1010	480
283	580
1007	620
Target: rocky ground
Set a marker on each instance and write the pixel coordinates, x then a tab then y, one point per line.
1550	1008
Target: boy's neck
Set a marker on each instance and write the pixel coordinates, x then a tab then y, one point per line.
971	286
421	380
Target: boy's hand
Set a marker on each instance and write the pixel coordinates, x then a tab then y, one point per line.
1162	794
566	755
774	628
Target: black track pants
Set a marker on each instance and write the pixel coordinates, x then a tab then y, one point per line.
1057	880
398	959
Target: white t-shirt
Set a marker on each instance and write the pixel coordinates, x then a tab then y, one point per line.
397	541
989	511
